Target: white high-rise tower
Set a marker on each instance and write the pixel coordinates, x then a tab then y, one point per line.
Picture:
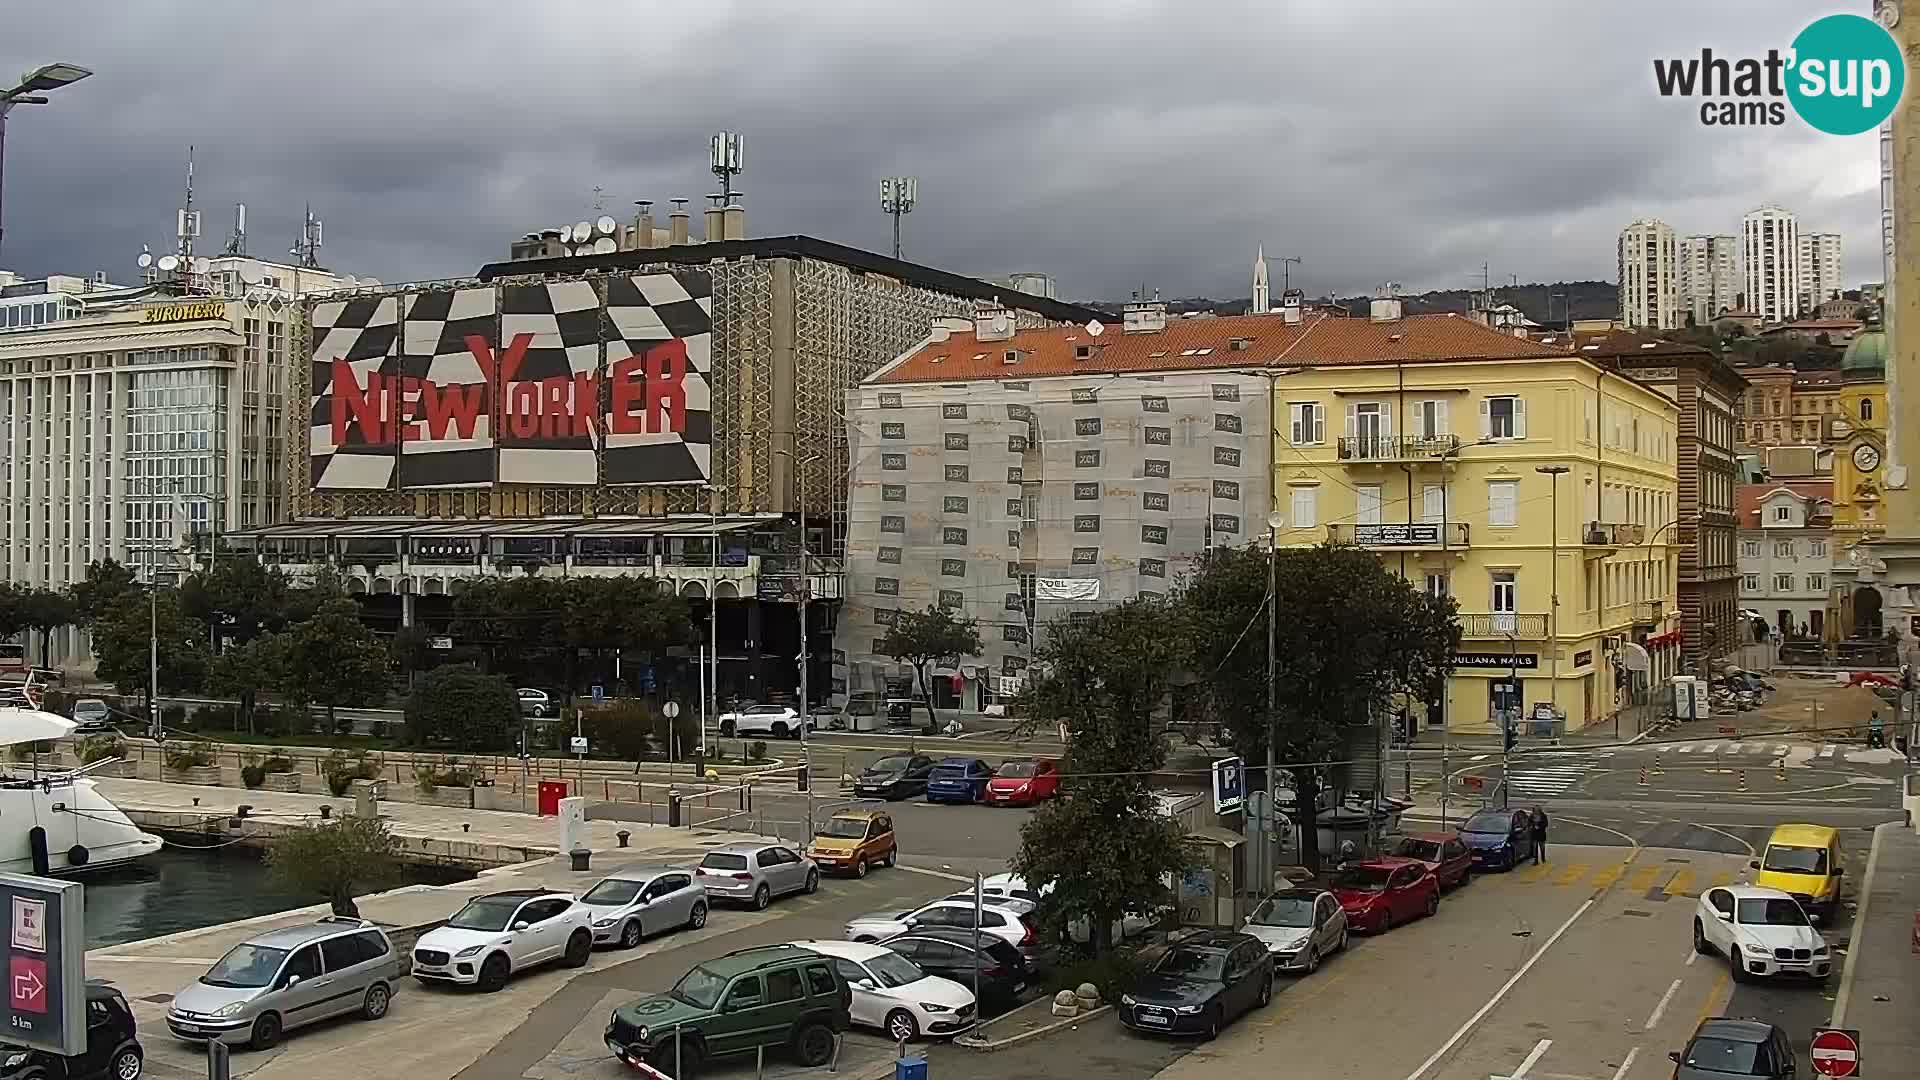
1649	276
1709	276
1262	294
1770	263
1819	270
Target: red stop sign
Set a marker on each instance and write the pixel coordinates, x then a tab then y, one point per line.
1835	1052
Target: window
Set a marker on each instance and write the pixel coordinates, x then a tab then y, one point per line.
1309	423
305	963
1749	549
783	984
1783	549
1750	583
1430	418
1817	547
1866	408
1816	583
745	993
1436	584
1783	582
1369	424
1506	596
1305	508
1503	502
1503	418
819	979
1782	513
1433	503
1367	504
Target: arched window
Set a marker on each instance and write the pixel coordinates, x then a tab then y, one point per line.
1866	408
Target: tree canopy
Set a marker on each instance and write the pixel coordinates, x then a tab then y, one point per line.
332	659
335	859
921	638
462	706
120	644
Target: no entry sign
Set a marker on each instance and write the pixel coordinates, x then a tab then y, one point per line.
1835	1052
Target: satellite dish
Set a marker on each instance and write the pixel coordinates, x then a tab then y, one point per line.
251	273
1096	327
367	282
145	259
571	252
350	280
604	224
582	231
168	262
200	264
566	234
604	245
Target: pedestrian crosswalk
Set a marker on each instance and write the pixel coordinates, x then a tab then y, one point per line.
1546	777
1670	880
1768	748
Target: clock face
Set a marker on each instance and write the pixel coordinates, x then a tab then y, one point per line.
1866	458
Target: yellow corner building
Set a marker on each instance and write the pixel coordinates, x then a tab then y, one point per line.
1446	467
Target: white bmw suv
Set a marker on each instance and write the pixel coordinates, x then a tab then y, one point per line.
500	933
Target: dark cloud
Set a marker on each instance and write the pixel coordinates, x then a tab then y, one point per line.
1110	144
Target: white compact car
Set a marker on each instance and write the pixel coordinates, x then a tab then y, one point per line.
643	901
500	933
894	995
1760	932
1005	918
773	721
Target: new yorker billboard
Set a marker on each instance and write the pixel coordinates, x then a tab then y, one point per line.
569	383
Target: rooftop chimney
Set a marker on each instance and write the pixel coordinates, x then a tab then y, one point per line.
991	321
1292	305
1143	317
643	224
734	224
1386	304
677	223
716	220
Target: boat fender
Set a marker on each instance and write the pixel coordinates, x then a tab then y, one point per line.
77	855
37	844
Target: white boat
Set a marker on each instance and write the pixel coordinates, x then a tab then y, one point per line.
60	814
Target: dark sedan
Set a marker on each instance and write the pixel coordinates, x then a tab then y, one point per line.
1199	984
1004	971
897	776
1499	839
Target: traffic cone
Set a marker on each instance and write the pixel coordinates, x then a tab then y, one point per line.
1643	776
1780	770
1743	779
1656	764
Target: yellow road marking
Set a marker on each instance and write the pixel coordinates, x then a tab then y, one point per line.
1682	881
1720	877
1608	875
1643	878
1534	873
1711	1005
1572	874
1289	1002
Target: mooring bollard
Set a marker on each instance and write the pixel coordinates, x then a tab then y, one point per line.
580	856
673	807
623	836
326	811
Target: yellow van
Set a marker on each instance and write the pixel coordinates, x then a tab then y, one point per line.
1804	860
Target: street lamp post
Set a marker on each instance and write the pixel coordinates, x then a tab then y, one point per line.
31	91
1553	612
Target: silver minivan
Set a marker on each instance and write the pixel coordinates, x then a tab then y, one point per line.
288	978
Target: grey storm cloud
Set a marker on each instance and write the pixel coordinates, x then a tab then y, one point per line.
1112	145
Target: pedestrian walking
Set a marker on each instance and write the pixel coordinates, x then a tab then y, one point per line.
1539	817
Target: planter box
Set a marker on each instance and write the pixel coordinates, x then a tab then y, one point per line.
205	775
446	796
283	781
118	770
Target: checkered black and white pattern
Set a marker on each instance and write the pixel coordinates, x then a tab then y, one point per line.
362	332
647	310
433	347
562	319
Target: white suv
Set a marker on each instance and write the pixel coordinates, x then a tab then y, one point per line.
500	933
773	721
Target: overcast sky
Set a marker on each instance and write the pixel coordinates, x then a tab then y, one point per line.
1108	143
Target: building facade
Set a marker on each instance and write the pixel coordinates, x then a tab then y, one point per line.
1707	392
1709	277
1649	266
1820	280
1786	555
1770	264
1856	432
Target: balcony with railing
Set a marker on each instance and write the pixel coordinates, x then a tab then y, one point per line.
1390	448
1602	538
1501	625
1649	612
1400	536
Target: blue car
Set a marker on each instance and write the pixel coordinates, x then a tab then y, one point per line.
1499	839
961	780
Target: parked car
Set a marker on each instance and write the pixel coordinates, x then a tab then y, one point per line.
893	994
91	716
1379	894
1300	927
1760	931
1499	839
1721	1048
1005	972
1024	782
1445	854
852	841
643	901
500	933
754	873
896	776
1008	919
287	978
535	703
773	997
773	721
961	780
113	1047
1199	984
1016	887
1806	862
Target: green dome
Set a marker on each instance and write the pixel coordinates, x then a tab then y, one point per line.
1866	354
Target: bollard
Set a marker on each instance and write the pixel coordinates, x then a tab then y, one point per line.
1643	777
623	836
802	780
326	811
465	827
673	807
1743	779
1780	770
581	857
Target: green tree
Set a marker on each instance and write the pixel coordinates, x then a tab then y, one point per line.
336	859
44	611
246	670
1351	635
106	583
325	586
462	707
120	644
1105	847
920	638
604	616
513	620
332	659
240	597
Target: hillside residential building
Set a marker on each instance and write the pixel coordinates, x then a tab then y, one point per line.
1770	263
1787	553
1709	276
1416	437
1707	392
1819	269
1648	260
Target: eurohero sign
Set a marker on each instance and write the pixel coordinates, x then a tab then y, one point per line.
603	381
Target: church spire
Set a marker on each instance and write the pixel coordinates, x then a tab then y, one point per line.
1262	295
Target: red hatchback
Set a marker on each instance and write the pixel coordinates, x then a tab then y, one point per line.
1379	894
1444	853
1024	782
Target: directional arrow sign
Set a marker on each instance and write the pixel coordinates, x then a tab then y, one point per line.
1835	1052
28	983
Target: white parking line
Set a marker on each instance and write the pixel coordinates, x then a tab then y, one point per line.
1626	1064
1539	1049
1827	750
1660	1010
1687	748
1733	748
1781	749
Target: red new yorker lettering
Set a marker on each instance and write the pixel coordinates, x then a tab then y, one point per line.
664	391
509	361
368	408
458	404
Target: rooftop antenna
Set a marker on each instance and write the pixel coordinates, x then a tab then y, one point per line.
307	248
725	158
897	197
237	243
599	198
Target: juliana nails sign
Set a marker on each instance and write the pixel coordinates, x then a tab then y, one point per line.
199	309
